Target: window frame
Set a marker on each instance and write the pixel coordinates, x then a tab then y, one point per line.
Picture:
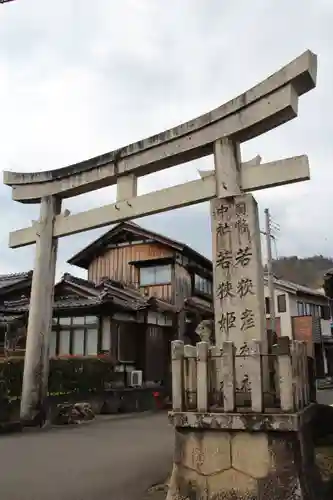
300	308
281	296
267	305
153	268
201	285
59	325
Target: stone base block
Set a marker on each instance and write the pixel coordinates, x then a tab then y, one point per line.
225	465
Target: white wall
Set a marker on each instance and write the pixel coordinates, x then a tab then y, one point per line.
291	310
285	318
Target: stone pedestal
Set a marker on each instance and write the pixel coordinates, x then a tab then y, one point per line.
214	463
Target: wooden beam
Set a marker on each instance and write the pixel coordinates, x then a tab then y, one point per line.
262	176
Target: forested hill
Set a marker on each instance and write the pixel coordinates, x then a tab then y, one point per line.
308	271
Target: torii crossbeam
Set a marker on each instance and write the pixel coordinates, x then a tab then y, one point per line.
220	132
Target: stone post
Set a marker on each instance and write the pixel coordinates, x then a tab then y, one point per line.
211	464
36	362
237	264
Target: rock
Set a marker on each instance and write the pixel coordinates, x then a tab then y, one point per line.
73	413
205	330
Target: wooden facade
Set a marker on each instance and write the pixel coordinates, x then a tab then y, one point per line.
125	251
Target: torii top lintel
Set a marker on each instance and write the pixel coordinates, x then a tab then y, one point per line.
267	105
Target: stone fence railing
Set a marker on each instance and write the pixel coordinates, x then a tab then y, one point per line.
209	379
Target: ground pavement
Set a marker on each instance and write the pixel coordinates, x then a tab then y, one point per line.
113	459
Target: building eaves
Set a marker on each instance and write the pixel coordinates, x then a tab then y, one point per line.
9	280
295	287
195	304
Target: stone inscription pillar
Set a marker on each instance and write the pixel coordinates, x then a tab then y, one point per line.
238	271
239	303
36	363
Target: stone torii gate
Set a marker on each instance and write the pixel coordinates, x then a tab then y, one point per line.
238	287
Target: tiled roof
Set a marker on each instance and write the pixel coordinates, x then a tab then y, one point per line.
296	288
108	291
125	296
7	280
9	318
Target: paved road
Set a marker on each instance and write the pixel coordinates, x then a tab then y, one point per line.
114	460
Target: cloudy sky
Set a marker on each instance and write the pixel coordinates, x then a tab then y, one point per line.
79	78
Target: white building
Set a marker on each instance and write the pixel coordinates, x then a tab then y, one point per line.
293	300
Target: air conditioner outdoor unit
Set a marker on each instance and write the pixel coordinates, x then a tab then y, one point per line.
135	378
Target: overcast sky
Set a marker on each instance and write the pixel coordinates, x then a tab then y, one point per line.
79	78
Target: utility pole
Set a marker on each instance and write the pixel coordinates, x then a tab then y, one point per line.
268	234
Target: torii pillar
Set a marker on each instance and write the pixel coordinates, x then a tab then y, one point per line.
36	361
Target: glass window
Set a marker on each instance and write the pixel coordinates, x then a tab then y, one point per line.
78	320
281	303
147	276
163	274
156	275
92	341
64	342
53	344
203	285
300	309
267	305
91	320
64	321
78	342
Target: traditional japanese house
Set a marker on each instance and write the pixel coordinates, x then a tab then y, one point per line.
155	265
142	291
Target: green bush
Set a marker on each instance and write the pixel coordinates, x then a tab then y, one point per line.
67	375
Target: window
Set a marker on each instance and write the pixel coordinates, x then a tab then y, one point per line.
76	336
300	309
202	285
315	310
155	275
267	305
63	321
64	342
79	320
53	344
78	342
282	303
92	343
325	312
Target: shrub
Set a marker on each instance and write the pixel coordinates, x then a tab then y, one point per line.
67	375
